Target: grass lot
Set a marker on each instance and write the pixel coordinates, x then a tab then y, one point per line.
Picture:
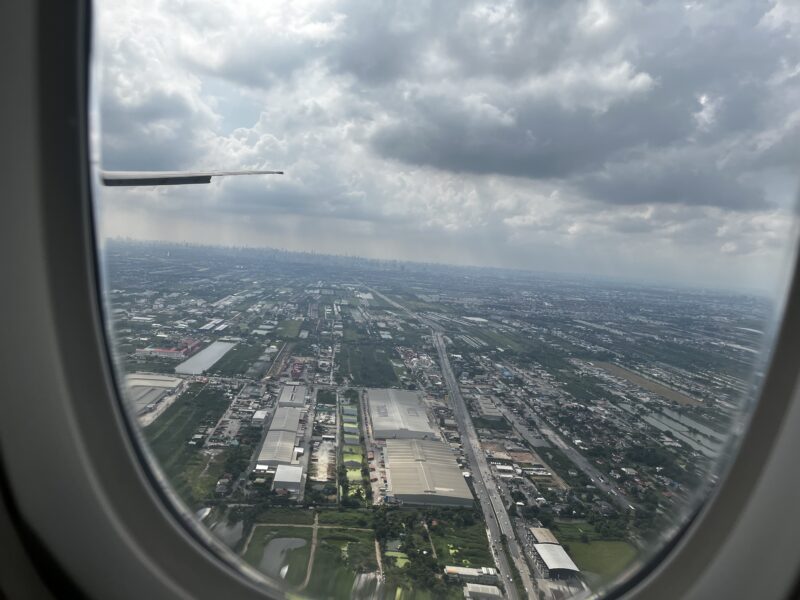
354	474
466	546
288	328
346	518
293	516
352	457
326	397
482	423
368	365
168	438
498	339
238	359
340	556
297	558
400	558
606	558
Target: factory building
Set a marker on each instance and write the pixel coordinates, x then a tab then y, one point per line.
398	414
488	410
293	396
285	419
479	591
542	535
554	562
288	479
278	448
146	390
425	472
484	575
279	444
260	416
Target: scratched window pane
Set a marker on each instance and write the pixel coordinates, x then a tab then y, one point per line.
408	299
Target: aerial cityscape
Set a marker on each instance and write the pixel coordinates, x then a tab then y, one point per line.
359	428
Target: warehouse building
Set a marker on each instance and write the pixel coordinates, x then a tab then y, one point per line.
293	396
425	472
398	414
479	591
278	448
542	535
279	444
488	410
146	390
554	562
288	479
260	416
484	575
285	419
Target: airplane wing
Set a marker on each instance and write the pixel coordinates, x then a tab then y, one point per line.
140	178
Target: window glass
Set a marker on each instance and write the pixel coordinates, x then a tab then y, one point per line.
503	316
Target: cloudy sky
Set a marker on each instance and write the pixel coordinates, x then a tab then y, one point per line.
655	139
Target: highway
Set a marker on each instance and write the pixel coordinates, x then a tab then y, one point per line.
492	504
497	520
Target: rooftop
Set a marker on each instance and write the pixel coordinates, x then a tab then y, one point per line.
398	413
555	557
425	472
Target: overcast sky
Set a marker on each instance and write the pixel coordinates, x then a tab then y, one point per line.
656	139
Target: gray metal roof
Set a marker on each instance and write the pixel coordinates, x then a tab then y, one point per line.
425	472
542	535
292	395
398	414
278	448
285	419
555	557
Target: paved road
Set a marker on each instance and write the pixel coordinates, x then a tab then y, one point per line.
494	511
598	479
492	503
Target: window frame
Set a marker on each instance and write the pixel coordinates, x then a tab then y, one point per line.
70	462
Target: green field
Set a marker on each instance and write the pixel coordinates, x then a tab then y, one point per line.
341	554
368	365
352	457
605	558
400	558
602	557
465	546
326	397
168	438
288	328
296	559
238	359
294	516
346	518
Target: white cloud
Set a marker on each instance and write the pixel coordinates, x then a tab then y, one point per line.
628	140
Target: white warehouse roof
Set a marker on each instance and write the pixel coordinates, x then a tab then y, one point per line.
555	557
398	414
425	472
288	474
278	448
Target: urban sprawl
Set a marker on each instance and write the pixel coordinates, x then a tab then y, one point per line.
354	428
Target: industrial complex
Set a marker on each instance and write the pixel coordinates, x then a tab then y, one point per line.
425	472
398	414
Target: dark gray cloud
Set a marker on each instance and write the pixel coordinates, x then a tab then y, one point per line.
546	132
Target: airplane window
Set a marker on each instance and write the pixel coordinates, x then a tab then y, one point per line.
443	299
